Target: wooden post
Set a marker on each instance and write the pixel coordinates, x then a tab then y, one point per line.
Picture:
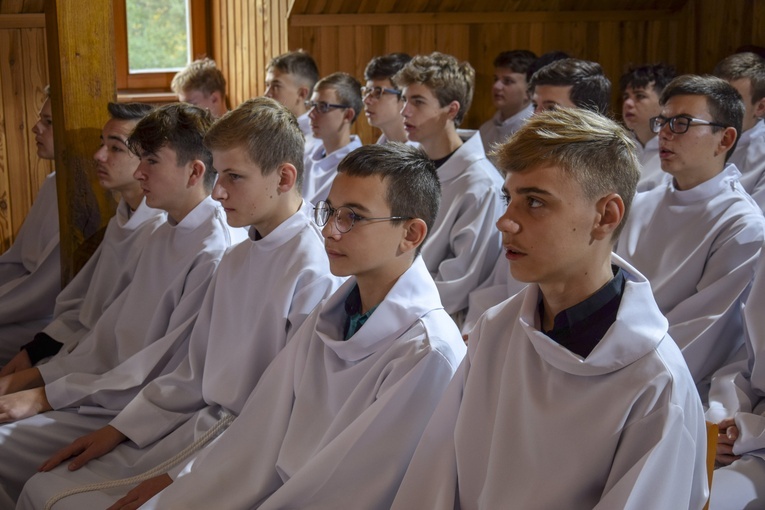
80	39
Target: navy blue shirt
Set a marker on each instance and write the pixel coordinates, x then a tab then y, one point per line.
581	327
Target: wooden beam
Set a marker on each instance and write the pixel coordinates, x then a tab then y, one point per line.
438	18
82	77
22	21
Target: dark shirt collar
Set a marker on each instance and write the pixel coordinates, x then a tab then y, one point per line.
439	162
354	319
580	327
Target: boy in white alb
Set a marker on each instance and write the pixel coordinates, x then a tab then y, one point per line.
343	405
575	380
202	84
570	83
746	72
382	99
111	268
262	292
290	79
641	88
334	107
510	95
737	405
140	335
463	244
697	239
30	270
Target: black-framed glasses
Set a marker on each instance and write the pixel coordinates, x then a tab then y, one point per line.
377	92
679	124
345	217
322	106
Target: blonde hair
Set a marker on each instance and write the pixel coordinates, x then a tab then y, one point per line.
594	150
267	130
202	75
445	76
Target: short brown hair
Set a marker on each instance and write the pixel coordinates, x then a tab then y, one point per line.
448	79
744	65
268	131
597	152
202	75
346	87
299	64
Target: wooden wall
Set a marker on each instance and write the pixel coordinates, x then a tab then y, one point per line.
23	76
246	35
693	35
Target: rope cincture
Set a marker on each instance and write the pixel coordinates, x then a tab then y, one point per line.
208	436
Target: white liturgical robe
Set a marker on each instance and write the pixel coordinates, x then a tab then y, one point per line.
651	174
698	248
526	423
749	158
262	292
738	392
464	243
108	272
30	274
496	131
321	168
332	422
137	338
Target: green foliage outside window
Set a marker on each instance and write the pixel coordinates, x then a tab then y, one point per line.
157	35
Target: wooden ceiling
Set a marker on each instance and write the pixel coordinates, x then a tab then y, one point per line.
444	6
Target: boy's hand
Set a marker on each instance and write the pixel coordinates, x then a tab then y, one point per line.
21	380
23	404
142	493
86	448
725	439
19	362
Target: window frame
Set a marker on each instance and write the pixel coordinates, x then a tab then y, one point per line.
159	81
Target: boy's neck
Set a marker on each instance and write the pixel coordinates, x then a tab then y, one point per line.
336	141
644	136
443	145
560	296
505	114
194	197
289	204
691	179
373	287
132	197
395	132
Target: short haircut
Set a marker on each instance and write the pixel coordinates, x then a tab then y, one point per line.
202	75
590	89
641	77
744	66
413	188
299	64
594	150
385	66
182	128
129	111
518	61
723	101
445	76
346	87
266	130
543	60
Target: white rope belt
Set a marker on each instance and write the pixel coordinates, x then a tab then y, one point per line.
208	436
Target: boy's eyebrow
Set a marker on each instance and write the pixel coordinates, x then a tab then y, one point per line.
116	138
532	189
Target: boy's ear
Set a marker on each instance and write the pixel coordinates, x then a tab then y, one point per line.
610	213
759	108
726	142
303	93
215	97
197	173
454	109
415	233
349	114
287	177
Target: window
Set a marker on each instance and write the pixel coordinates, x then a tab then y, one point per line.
155	38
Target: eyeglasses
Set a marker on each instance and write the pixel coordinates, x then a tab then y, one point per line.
679	124
345	217
377	92
323	107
